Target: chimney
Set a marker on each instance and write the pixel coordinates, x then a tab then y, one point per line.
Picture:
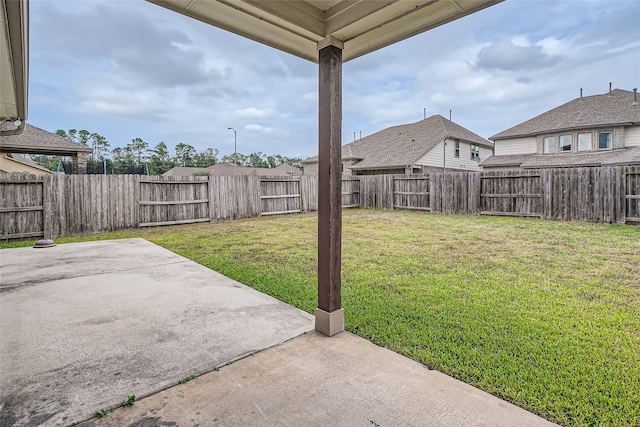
609	88
580	94
360	134
425	113
354	136
635	96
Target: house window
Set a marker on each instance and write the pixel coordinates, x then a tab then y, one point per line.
475	151
604	140
549	144
565	142
457	146
584	141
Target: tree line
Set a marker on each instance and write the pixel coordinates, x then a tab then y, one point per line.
157	160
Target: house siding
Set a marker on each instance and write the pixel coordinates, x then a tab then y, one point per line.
617	138
434	157
632	136
526	145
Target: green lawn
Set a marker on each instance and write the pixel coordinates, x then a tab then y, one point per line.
543	314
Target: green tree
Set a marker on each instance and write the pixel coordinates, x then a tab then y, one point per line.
160	161
100	146
83	137
208	157
49	162
138	147
185	154
242	159
123	158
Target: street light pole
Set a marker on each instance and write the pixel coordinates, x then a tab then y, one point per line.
235	150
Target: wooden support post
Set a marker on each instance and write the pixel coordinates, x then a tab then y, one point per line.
329	314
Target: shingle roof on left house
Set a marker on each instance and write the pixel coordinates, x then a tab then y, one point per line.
38	141
403	145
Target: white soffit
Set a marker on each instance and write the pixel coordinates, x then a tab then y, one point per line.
299	27
13	59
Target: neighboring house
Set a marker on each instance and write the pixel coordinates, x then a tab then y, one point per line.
34	140
15	163
228	169
588	131
430	145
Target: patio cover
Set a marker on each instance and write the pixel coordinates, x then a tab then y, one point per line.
14	61
327	32
301	27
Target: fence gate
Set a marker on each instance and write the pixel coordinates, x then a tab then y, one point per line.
350	193
182	201
21	207
411	193
511	195
632	197
280	196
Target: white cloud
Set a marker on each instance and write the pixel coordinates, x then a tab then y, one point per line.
252	113
174	79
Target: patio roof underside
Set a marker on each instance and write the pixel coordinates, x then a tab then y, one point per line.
302	27
14	59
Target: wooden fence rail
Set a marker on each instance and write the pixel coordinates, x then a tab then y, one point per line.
67	205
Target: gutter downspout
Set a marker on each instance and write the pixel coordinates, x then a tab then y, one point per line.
444	154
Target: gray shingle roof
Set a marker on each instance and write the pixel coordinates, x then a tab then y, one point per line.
622	156
590	111
38	141
403	145
507	160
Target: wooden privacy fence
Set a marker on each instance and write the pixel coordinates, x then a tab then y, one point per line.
632	196
22	208
67	205
280	196
594	194
411	193
511	193
180	200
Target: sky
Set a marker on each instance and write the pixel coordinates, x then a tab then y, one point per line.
131	69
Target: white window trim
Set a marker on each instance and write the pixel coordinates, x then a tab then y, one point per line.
590	141
560	150
610	140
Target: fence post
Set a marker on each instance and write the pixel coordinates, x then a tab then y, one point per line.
47	226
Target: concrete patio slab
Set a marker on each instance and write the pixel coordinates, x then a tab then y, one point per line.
314	380
83	325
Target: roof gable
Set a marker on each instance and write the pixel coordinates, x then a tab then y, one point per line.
403	145
614	108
